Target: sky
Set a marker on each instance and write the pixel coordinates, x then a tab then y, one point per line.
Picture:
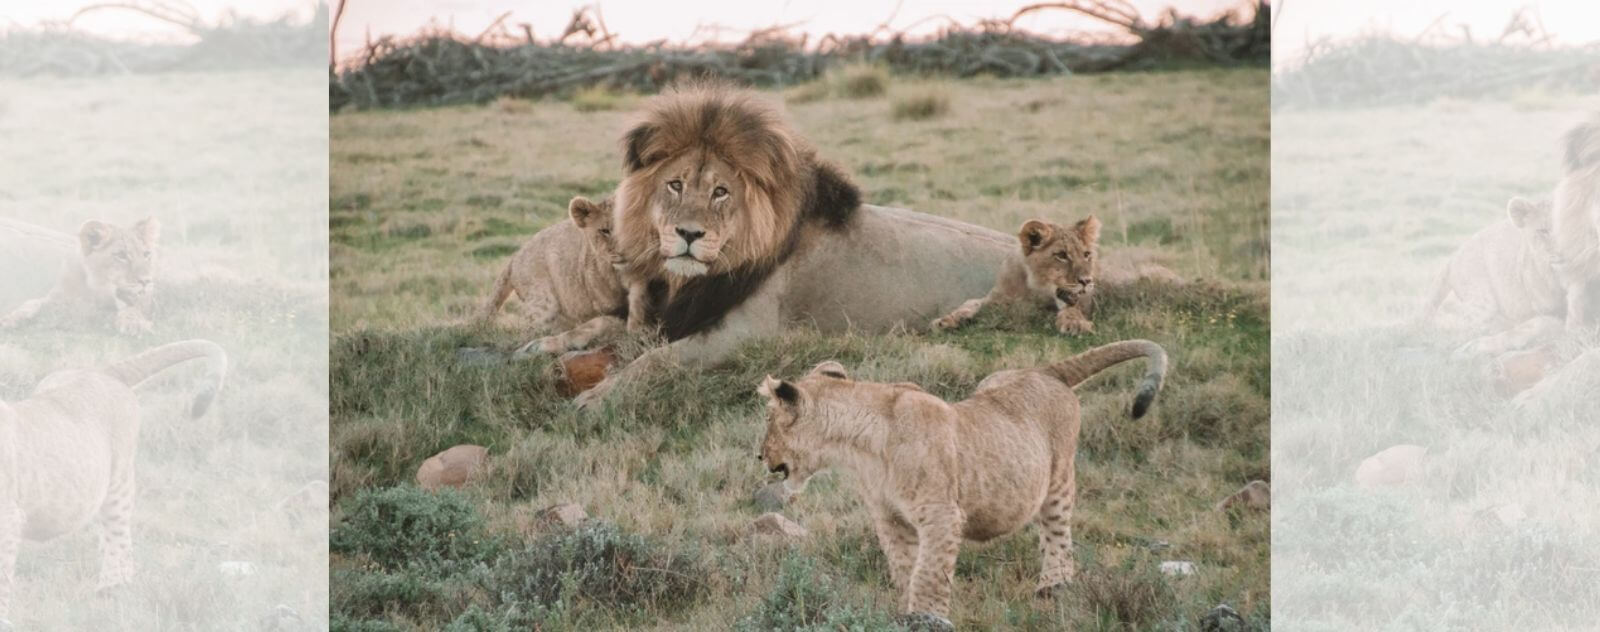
1299	22
125	24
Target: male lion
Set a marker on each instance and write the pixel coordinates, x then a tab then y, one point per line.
116	276
1576	223
1055	267
933	473
752	231
1506	274
569	277
67	456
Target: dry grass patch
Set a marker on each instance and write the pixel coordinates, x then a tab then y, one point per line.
920	106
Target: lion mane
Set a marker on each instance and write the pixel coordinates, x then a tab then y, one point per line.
788	189
1577	209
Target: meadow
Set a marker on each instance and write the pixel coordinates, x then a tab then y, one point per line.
1498	532
232	166
425	205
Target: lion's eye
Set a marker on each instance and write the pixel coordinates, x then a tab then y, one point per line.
605	231
1062	256
719	193
1088	253
675	185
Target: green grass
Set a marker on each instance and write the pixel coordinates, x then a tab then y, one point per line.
921	106
1389	193
671	461
229	162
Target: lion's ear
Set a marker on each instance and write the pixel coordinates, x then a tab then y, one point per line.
148	230
1033	234
1088	229
830	369
93	235
636	146
583	210
1520	210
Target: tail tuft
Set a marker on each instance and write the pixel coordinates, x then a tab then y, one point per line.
1145	396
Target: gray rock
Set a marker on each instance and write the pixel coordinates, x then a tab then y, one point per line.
771	497
926	622
776	524
1222	619
451	468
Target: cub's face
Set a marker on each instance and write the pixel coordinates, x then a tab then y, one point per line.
793	425
1534	219
695	208
595	220
1060	261
120	261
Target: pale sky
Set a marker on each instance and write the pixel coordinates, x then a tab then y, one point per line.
125	24
1303	21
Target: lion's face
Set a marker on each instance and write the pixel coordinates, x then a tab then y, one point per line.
1060	261
121	261
595	220
695	208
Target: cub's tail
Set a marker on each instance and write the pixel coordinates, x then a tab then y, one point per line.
1076	369
497	297
137	369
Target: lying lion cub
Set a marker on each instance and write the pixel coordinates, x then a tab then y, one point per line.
67	456
569	276
115	276
933	473
1056	266
1506	274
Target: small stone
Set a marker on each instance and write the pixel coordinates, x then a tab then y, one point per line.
451	468
925	622
771	497
581	370
1255	495
1394	466
774	523
480	357
1222	619
1177	568
566	515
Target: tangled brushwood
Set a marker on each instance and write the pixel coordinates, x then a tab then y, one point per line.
441	67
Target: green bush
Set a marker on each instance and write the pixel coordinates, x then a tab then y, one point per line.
922	106
599	564
806	600
397	527
863	81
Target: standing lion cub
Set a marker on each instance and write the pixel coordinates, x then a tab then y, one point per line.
569	277
116	277
934	473
1056	266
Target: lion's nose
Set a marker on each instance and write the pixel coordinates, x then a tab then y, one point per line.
689	234
1085	281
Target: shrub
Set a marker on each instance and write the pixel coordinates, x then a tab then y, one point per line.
921	106
601	564
595	99
807	600
397	527
1135	595
863	81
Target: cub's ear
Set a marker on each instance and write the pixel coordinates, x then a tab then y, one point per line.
1521	210
1033	234
583	210
636	153
830	369
1088	229
93	235
148	230
780	390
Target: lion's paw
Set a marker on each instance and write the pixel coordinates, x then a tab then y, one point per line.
1073	325
945	323
592	399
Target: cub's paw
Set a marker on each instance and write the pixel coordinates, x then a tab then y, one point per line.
1050	592
925	622
1073	325
945	323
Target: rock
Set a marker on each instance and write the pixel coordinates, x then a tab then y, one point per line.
1254	495
581	370
566	515
925	622
775	524
480	357
451	468
1177	569
771	497
1517	371
1222	619
1397	465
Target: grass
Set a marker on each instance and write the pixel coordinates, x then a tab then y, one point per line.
920	106
671	463
229	162
1388	193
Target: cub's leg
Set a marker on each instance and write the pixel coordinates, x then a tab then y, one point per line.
10	539
23	313
1054	522
132	321
938	542
1073	320
899	543
542	311
116	532
579	337
961	315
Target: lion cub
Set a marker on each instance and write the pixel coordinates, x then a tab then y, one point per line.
1056	266
1507	274
933	473
67	456
116	276
569	277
